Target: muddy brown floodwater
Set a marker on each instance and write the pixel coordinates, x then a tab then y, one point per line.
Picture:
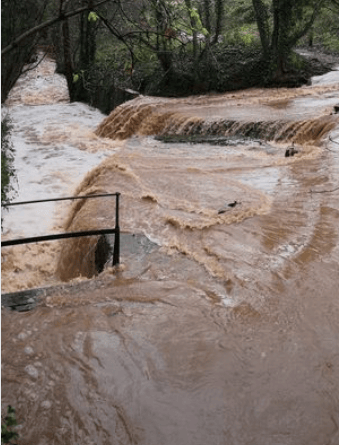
221	325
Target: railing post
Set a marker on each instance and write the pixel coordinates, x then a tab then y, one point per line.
116	249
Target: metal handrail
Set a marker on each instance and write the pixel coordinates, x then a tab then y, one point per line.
60	199
36	239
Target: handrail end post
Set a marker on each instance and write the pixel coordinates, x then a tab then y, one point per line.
116	249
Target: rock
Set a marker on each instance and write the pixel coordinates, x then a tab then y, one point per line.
32	371
291	151
46	404
23	335
28	350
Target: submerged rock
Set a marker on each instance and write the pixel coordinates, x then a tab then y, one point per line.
291	151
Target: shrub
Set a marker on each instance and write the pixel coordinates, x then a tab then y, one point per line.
7	425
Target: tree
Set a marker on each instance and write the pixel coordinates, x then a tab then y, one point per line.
281	24
16	19
175	36
22	31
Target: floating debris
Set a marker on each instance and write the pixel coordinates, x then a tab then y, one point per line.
231	204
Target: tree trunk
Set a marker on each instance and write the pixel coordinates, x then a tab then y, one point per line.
219	14
207	21
193	24
87	41
68	59
261	14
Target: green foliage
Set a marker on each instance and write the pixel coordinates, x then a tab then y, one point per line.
166	47
92	16
325	30
7	169
248	34
330	41
8	423
194	14
111	53
245	35
296	61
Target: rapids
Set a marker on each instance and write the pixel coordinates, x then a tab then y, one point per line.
222	327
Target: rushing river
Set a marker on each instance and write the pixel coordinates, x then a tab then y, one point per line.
221	325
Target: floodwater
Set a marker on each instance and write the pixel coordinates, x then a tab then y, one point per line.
222	325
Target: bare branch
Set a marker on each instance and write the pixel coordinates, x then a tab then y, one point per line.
333	140
62	16
30	68
308	26
324	191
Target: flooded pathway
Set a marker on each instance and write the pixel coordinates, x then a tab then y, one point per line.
223	326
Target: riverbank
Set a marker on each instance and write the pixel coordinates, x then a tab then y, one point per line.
242	68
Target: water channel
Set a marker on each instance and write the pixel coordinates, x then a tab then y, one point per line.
221	325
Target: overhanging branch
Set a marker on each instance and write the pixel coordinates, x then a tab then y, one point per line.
62	16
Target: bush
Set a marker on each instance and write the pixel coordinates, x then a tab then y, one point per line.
7	425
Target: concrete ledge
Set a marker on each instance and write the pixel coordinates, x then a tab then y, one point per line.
22	301
135	250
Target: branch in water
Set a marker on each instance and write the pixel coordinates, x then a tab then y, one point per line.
333	140
324	191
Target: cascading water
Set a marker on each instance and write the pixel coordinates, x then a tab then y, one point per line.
226	332
172	192
54	147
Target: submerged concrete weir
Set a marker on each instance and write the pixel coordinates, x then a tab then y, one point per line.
261	142
139	118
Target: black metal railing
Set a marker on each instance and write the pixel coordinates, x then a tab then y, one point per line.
36	239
